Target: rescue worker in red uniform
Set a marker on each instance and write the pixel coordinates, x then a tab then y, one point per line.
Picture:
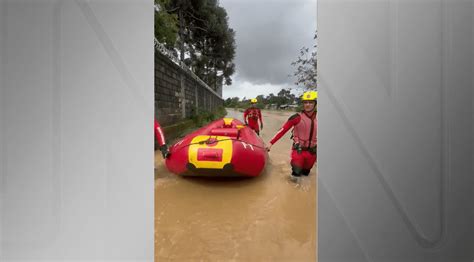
160	137
305	126
252	115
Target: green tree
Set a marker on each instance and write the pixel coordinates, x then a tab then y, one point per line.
232	102
166	28
306	67
285	97
261	101
205	40
214	46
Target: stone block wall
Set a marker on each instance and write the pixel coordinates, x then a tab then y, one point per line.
178	94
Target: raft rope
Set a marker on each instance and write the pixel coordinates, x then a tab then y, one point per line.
209	141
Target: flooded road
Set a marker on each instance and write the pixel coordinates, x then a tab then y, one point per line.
267	218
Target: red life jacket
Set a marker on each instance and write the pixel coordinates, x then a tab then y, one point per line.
252	113
305	132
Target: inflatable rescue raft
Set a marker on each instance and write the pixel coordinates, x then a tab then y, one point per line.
225	147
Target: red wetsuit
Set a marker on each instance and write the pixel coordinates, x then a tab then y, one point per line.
160	137
251	116
303	155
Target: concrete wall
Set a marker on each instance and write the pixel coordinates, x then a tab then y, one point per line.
178	93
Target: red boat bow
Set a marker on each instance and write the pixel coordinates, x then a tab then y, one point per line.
225	147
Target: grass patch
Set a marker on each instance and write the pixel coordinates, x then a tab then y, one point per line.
202	117
186	126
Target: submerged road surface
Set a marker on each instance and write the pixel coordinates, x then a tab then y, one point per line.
267	218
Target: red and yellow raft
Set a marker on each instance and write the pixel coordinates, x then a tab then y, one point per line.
224	148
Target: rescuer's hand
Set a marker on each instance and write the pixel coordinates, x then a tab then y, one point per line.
269	147
164	151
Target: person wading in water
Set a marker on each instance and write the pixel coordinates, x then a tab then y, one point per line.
254	115
305	126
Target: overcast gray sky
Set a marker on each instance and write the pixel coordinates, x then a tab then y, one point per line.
269	35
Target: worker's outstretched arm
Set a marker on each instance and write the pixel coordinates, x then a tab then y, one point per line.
292	121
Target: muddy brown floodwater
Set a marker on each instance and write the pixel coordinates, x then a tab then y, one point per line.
267	218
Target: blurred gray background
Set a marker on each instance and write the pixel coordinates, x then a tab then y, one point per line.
76	141
396	138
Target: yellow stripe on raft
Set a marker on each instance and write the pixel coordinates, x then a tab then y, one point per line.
225	145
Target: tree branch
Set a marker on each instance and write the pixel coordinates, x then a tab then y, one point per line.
200	28
191	14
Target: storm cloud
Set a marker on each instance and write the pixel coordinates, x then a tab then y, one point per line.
269	35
